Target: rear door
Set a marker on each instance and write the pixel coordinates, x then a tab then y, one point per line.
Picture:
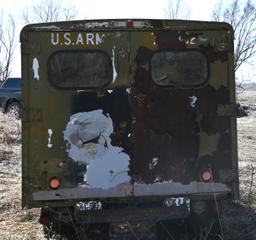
77	121
183	111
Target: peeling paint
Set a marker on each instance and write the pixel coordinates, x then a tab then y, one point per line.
192	41
203	39
118	24
50	132
35	68
192	38
96	25
50	28
170	187
82	191
160	189
140	24
154	163
193	101
113	64
88	134
60	164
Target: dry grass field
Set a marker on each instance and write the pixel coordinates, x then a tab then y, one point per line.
15	223
240	217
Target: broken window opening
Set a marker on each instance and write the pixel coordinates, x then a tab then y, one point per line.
179	68
80	69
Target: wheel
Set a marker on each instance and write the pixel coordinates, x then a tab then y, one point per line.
14	110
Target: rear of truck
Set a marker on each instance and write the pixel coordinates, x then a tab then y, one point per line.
128	121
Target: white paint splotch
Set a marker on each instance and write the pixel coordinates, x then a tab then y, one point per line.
88	137
153	163
49	28
193	100
113	64
50	132
35	68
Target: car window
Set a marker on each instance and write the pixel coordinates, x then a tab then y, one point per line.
179	68
80	69
12	83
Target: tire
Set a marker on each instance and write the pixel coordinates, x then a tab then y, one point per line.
14	110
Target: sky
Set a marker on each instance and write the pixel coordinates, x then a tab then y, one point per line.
200	9
109	9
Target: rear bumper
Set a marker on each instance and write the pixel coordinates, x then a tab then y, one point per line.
122	193
176	208
132	210
139	190
132	215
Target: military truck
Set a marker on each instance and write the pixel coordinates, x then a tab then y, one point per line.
129	127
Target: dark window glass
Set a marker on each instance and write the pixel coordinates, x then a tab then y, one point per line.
80	69
12	83
179	68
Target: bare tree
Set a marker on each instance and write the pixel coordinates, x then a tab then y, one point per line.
242	16
7	45
49	11
177	10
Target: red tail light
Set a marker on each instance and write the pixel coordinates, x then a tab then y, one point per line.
206	175
54	183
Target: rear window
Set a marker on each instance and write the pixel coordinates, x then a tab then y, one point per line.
80	69
179	68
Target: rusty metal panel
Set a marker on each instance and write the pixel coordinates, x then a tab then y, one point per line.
180	130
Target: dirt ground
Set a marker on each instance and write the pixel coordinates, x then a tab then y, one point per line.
239	219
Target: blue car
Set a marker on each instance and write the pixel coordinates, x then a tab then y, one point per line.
10	97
